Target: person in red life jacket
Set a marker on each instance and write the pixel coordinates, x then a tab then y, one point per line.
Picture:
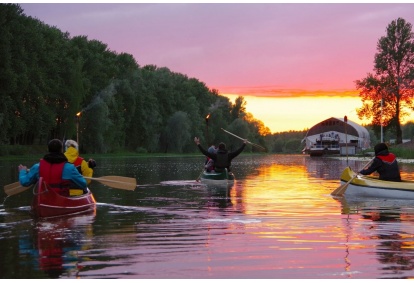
55	170
209	164
385	163
72	154
222	158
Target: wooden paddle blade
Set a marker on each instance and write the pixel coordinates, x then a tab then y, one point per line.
117	182
340	190
14	189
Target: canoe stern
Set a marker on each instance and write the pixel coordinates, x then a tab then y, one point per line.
47	203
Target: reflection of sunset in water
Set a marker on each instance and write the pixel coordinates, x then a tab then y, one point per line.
282	184
292	200
278	221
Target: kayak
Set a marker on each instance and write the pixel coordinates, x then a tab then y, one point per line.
48	203
219	178
370	186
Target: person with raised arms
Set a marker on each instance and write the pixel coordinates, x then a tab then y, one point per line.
222	158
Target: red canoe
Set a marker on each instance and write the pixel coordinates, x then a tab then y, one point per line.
47	203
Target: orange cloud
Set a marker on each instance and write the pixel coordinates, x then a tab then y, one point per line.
265	91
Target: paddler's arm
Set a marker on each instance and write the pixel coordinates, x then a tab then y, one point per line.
71	173
372	168
28	177
238	151
203	151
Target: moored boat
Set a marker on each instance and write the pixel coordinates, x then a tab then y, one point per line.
48	203
220	178
369	186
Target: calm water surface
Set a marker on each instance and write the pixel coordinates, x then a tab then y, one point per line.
277	221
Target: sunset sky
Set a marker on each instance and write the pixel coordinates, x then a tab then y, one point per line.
295	64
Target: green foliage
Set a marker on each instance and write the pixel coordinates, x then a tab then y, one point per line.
293	145
286	142
408	131
47	77
405	150
8	150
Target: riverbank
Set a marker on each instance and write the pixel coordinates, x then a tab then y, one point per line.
367	158
18	152
404	152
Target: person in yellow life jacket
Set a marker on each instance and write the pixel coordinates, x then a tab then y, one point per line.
72	154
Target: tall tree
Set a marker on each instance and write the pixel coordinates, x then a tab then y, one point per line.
176	132
239	108
388	94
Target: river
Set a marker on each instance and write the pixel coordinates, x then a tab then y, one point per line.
278	221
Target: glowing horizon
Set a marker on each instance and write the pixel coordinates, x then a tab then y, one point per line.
299	113
283	92
295	63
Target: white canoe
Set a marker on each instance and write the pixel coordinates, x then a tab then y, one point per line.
368	186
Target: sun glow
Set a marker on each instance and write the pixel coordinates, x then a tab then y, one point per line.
282	114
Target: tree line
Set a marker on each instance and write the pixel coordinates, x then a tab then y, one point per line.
56	86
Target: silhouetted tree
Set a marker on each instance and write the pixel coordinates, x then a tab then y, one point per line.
389	92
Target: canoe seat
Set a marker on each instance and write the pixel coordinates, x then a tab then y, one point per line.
75	192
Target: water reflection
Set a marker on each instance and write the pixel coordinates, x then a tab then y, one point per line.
54	246
389	223
278	220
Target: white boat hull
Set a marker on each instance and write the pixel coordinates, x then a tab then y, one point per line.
365	186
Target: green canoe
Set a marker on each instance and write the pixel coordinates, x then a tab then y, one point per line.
213	177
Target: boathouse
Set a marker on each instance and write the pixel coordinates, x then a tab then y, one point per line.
336	136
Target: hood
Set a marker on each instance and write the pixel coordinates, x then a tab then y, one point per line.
381	149
71	154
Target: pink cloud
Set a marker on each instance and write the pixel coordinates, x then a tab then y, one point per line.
317	47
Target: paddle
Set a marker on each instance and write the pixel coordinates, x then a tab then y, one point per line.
199	176
253	144
342	188
116	182
14	189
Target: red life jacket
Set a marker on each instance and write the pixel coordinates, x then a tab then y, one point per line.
52	175
78	163
390	158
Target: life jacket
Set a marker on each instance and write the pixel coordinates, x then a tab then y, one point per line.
210	165
389	158
78	164
222	161
389	169
52	176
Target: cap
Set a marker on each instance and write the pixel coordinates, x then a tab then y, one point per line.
71	143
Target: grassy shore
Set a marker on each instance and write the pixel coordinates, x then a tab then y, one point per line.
403	151
13	152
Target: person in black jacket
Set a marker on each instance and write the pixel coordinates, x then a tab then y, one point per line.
222	158
385	163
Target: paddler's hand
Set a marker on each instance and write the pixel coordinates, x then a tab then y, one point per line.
22	167
197	141
245	141
91	163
